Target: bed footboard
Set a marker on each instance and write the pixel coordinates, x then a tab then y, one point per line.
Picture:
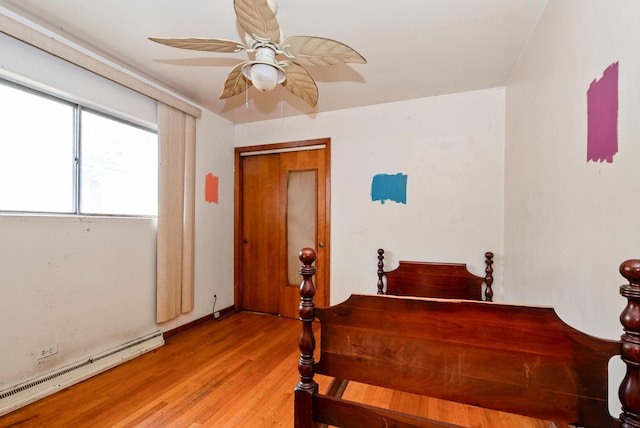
538	366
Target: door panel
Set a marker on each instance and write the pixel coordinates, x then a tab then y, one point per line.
292	163
266	283
261	211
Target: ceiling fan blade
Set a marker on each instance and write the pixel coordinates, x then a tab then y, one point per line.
201	44
256	18
320	51
300	83
235	83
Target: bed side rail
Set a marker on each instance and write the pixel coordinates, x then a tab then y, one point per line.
334	411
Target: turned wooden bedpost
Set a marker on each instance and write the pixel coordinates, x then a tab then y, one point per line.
307	386
380	271
488	276
629	391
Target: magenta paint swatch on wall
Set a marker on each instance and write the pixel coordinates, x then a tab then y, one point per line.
602	116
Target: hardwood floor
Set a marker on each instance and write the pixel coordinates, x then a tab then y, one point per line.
236	372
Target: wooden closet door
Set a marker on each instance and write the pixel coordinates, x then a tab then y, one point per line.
309	163
267	269
261	232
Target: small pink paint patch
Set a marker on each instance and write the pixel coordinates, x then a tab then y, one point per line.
602	116
211	188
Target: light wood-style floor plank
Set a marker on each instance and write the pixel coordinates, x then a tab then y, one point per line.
236	372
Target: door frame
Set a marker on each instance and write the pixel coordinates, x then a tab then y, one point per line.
238	216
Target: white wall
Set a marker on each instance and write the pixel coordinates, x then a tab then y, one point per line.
452	149
569	222
84	284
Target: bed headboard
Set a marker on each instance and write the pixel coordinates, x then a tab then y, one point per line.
431	279
536	366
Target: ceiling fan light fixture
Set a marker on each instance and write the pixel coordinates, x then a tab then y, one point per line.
264	72
264	76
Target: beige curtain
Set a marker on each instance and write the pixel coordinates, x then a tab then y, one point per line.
176	199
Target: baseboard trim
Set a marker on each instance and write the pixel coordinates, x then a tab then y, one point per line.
33	390
52	382
222	313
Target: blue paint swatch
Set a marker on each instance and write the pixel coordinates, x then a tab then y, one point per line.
389	187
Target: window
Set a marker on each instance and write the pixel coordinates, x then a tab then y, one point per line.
60	157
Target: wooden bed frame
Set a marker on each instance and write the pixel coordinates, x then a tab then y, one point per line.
537	365
441	280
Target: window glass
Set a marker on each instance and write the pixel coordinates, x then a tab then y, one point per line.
56	157
36	152
118	167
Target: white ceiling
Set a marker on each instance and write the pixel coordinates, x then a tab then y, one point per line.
414	48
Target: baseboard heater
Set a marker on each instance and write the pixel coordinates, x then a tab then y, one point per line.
27	392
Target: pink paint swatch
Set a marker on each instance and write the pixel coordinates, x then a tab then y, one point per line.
211	188
602	116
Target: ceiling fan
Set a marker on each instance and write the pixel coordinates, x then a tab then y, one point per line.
264	39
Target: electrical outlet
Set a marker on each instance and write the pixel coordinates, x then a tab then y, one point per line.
216	314
48	351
